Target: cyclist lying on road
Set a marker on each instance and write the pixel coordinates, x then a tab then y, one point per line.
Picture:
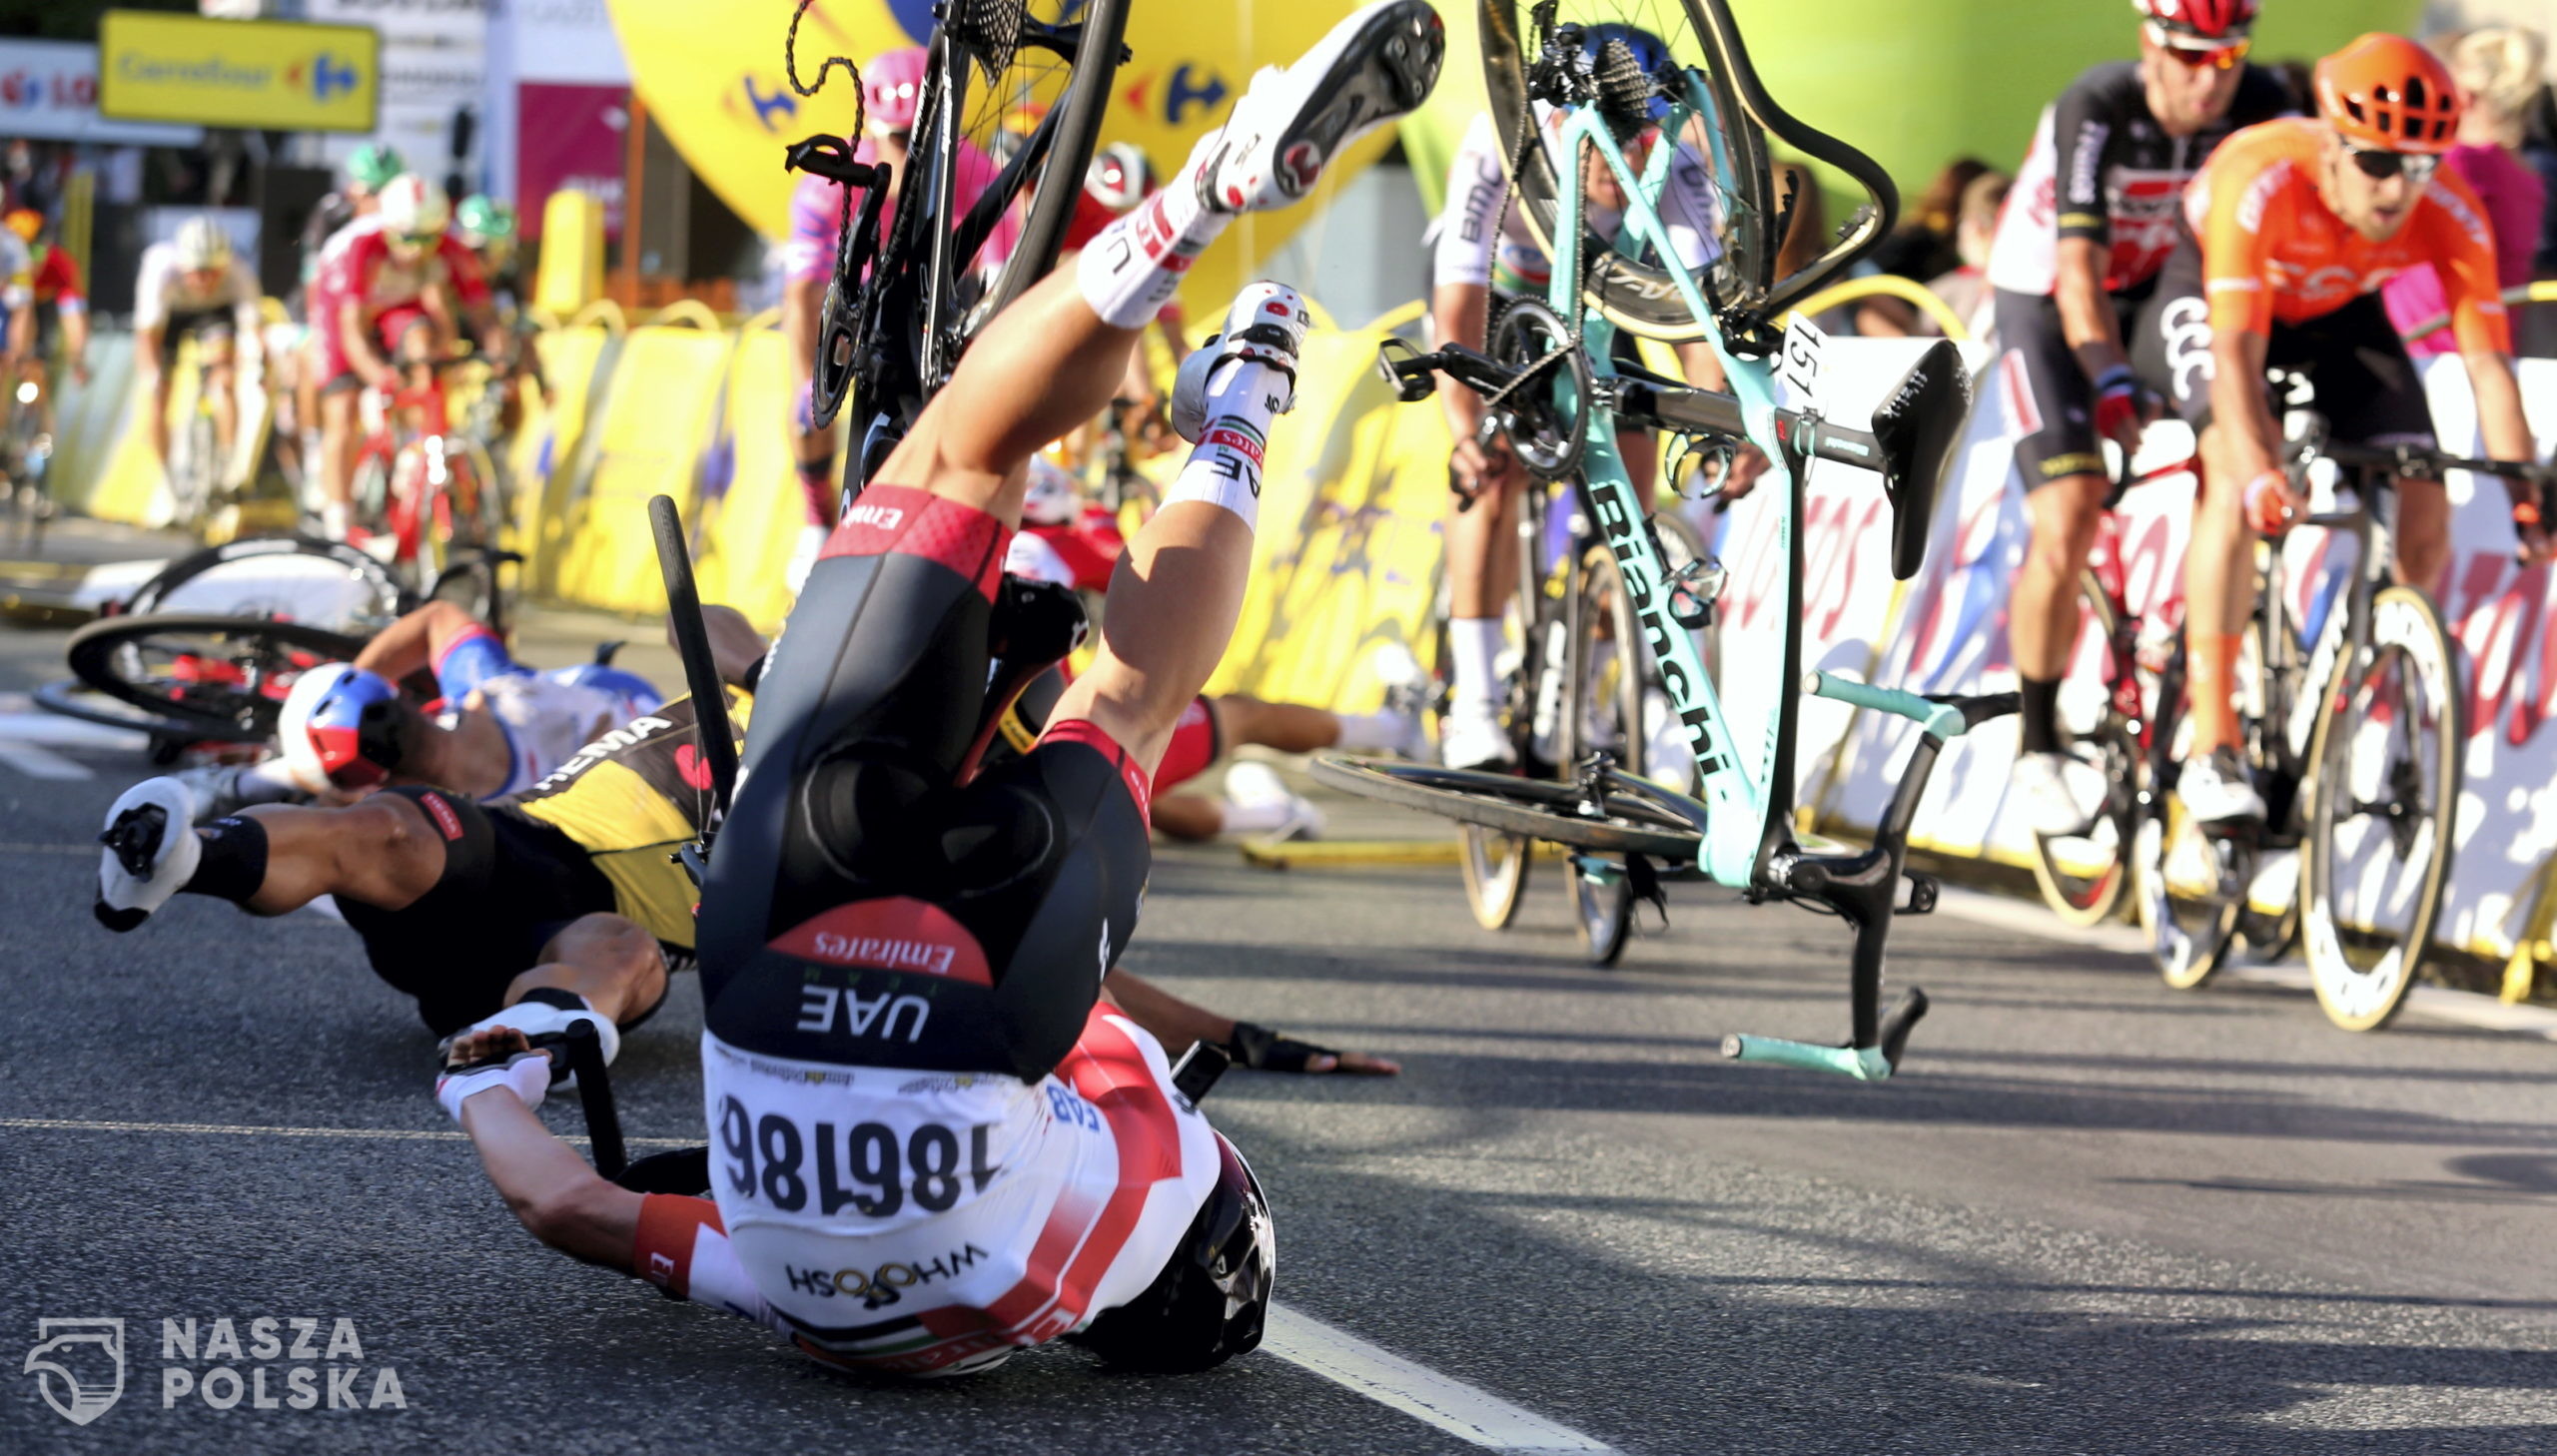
502	726
2292	229
939	1140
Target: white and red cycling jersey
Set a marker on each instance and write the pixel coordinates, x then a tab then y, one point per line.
931	1223
357	263
1480	238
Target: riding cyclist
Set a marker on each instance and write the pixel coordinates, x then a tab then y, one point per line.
2092	218
936	1139
387	286
891	89
1483	251
2290	232
195	286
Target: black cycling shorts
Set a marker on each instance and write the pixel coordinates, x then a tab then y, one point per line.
2366	385
511	884
862	908
206	324
2049	398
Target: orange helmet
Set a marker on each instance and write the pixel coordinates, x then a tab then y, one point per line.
25	221
2386	92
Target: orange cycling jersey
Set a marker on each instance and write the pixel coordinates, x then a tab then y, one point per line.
2273	251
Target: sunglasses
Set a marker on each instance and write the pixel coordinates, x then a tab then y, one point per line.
2218	58
2380	164
417	240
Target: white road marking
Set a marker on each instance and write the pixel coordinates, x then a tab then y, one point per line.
13	847
1416	1390
39	761
2463	1008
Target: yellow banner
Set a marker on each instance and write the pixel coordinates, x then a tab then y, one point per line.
238	73
720	94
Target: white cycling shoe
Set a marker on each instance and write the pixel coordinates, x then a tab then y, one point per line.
2217	788
1291	121
1260	803
1471	736
2040	784
152	850
1265	326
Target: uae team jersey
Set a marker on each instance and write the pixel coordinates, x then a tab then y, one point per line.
1480	238
2272	252
545	716
926	1223
2102	167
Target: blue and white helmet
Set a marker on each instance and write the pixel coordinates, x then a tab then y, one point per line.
341	726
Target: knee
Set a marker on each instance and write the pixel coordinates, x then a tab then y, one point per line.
2066	515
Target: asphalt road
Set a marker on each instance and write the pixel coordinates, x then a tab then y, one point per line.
2095	1217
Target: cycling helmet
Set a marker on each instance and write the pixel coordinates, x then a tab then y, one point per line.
202	245
1208	1302
343	725
892	87
373	166
414	209
2198	21
1054	499
2386	93
25	221
484	220
1119	175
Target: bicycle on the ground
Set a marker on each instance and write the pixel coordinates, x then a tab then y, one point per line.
904	304
2355	726
1554	382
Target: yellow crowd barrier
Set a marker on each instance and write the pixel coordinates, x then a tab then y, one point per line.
648	434
745	532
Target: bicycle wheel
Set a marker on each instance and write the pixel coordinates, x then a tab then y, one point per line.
2083	875
2190	885
1025	82
193	472
1630	817
1495	866
218	676
2384	810
1602	713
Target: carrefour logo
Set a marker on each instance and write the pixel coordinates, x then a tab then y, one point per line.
328	75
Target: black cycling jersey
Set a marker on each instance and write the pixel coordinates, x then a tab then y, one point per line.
2102	167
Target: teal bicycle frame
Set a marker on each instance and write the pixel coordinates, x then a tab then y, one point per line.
1747	791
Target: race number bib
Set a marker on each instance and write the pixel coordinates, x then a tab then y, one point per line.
1805	349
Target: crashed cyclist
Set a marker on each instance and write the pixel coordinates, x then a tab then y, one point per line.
909	1062
498	727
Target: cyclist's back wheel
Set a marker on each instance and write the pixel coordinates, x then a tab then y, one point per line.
1018	103
2083	877
1602	713
214	676
2382	812
2189	885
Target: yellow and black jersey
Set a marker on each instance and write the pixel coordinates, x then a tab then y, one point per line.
630	800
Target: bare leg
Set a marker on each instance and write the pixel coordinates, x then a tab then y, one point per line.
1287	727
221	383
1172	610
2423	534
380	853
1482	553
1190	818
2043	619
614	965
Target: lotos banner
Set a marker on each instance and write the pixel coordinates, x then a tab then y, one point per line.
723	97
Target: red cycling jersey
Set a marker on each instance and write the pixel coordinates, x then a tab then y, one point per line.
2272	252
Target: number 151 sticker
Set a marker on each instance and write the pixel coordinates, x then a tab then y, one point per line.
1805	347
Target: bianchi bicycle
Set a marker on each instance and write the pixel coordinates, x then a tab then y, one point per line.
2354	727
905	300
1553	382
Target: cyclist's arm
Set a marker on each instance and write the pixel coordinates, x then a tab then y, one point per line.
2241	407
417	640
557	1196
356	341
2080	134
2087	316
2500	420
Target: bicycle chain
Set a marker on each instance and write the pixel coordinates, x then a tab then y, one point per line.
860	117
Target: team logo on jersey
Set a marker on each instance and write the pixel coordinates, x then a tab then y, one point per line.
79	1366
881	1287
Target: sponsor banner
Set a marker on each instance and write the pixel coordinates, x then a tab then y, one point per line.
569	138
49	91
435	60
720	94
238	73
563	41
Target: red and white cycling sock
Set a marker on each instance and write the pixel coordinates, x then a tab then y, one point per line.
1224	466
1130	270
